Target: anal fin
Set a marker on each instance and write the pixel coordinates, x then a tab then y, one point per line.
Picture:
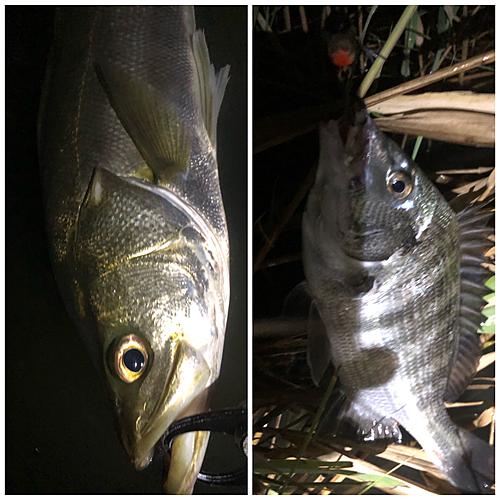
352	420
370	426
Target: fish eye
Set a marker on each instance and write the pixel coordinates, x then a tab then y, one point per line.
130	358
399	185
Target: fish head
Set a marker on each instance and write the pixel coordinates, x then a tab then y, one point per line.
375	200
152	285
158	355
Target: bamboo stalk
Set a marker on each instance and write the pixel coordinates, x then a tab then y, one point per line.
386	50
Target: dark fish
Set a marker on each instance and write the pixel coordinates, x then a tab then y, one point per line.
135	219
397	280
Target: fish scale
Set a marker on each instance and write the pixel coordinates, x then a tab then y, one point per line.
385	273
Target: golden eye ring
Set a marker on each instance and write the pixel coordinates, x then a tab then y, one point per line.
399	184
130	358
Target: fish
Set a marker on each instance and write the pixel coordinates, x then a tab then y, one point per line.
396	280
134	215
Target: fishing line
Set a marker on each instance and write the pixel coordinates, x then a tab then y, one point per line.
230	422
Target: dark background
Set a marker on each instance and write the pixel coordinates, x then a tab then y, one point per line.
59	431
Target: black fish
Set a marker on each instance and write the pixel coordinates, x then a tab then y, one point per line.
397	280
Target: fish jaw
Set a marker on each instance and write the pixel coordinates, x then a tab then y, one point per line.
187	454
188	379
343	165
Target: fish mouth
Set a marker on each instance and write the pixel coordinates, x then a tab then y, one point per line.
352	128
183	394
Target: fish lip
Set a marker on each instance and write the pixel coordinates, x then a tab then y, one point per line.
187	380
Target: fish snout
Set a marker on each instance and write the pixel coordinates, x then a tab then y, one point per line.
184	393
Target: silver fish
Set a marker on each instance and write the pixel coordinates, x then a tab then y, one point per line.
135	219
396	278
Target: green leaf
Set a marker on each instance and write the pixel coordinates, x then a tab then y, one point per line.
410	38
372	11
489	324
489	311
439	53
382	481
418	142
444	15
300	466
411	33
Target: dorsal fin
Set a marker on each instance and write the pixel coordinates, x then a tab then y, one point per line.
211	87
474	243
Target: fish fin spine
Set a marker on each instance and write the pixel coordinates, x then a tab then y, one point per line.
474	242
210	87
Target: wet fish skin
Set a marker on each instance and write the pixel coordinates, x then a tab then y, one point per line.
384	274
135	218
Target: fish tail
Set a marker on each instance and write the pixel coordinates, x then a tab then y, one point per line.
479	458
469	463
465	459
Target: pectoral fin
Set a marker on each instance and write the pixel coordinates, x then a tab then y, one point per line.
154	126
318	346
